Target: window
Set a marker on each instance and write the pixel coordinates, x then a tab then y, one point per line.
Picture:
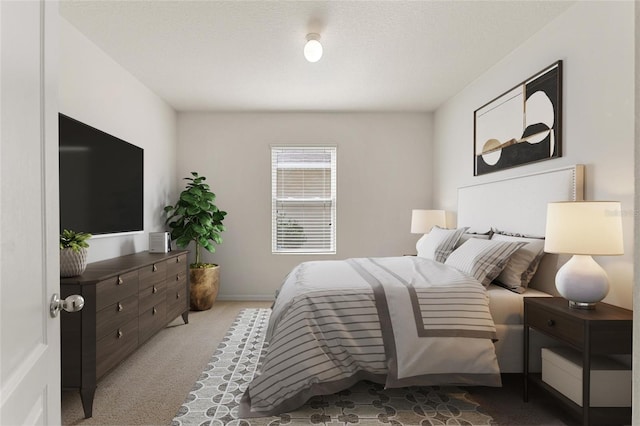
303	199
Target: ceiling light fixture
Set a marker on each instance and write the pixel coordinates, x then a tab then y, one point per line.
313	48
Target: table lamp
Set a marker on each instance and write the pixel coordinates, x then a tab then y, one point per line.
583	229
423	220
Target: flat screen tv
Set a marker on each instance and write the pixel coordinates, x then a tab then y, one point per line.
101	180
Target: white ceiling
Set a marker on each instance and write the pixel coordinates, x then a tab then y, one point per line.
247	55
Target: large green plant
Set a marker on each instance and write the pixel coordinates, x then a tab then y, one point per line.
196	218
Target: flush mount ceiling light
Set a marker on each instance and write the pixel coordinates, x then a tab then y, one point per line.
313	48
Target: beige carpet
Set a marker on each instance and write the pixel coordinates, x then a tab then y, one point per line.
149	387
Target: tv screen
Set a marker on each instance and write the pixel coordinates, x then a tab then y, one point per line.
101	180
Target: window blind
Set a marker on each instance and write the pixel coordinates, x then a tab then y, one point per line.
303	199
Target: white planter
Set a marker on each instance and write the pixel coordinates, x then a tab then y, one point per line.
72	263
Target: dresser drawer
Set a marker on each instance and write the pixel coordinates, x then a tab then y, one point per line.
152	274
116	315
177	305
177	264
109	291
177	281
559	326
152	319
177	296
151	296
115	346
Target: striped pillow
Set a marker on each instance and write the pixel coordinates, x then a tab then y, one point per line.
439	243
482	259
521	267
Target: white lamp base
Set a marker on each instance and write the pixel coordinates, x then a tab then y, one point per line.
582	281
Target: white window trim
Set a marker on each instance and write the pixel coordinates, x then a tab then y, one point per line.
333	200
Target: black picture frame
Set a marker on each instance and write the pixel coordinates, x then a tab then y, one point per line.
521	126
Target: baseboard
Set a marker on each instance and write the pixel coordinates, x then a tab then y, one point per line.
246	297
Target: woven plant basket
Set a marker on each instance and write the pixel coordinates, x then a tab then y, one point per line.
72	263
204	287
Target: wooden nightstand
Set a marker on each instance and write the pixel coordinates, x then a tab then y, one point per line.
605	330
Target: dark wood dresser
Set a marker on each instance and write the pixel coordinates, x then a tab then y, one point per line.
127	300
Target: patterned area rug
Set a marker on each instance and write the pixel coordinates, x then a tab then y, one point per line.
214	399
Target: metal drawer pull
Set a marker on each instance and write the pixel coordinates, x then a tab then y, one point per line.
177	260
154	311
155	290
155	268
177	295
551	323
177	277
120	333
120	307
120	280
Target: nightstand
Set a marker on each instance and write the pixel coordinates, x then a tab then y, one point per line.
604	331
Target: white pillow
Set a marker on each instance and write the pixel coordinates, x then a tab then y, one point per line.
482	259
522	265
439	243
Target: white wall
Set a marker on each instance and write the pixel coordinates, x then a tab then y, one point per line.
97	91
384	170
595	40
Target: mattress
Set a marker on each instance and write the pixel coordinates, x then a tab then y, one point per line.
507	307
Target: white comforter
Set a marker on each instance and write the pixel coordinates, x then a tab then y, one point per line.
400	321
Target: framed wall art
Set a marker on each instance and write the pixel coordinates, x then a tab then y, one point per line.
521	126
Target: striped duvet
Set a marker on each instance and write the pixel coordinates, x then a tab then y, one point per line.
400	321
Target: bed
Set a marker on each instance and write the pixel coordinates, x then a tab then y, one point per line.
522	202
431	319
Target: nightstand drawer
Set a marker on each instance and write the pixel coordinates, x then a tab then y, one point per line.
567	329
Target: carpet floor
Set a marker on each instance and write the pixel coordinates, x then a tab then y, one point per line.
215	397
150	386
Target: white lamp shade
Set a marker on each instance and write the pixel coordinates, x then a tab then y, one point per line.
585	228
423	220
313	48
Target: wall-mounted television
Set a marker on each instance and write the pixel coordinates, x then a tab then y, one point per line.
101	180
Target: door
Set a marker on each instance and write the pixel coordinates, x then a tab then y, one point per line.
29	265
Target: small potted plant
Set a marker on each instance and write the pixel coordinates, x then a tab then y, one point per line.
73	252
195	218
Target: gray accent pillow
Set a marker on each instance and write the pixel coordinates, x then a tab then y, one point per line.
522	265
439	243
482	259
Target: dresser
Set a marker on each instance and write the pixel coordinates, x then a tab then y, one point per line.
128	299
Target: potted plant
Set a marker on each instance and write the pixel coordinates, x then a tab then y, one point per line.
195	218
73	252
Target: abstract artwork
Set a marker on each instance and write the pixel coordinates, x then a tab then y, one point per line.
521	126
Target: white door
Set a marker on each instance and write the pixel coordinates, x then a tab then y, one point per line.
29	336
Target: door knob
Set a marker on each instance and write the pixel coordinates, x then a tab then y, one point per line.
73	303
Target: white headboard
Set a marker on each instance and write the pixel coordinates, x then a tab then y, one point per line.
519	204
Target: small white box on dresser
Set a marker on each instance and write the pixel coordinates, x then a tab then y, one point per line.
610	379
159	242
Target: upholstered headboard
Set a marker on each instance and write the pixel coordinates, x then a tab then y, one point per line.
519	204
